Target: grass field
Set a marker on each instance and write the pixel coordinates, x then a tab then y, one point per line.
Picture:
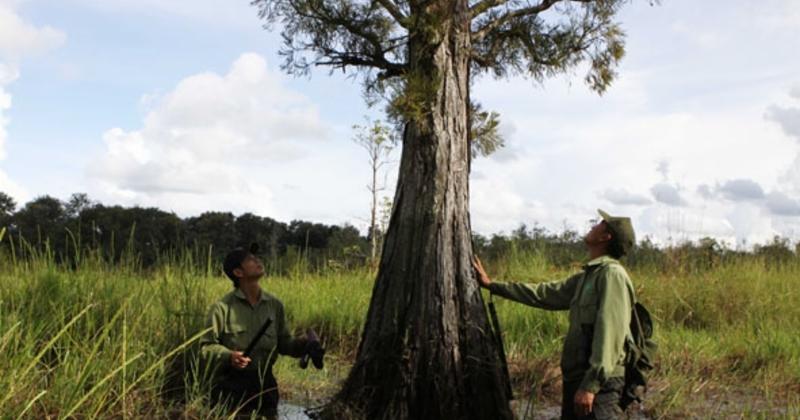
114	341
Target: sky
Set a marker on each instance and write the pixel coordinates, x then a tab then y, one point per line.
182	105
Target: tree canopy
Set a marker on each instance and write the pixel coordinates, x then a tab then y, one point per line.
507	37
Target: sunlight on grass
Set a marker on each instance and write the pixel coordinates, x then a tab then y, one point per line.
108	340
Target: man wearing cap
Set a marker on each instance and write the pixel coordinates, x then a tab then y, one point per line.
241	381
599	300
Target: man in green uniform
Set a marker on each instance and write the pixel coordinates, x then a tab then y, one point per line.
599	300
240	381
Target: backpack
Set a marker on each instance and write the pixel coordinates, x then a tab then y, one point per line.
639	356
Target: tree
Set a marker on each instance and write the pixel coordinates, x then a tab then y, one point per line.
424	352
77	202
213	229
7	207
262	230
376	139
42	221
7	204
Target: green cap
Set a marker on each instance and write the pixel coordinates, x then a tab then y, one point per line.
621	228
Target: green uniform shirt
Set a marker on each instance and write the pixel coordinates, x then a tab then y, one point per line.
234	323
599	303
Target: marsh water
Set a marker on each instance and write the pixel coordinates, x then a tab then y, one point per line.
292	412
288	411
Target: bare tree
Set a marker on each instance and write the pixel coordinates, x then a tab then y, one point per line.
376	138
425	351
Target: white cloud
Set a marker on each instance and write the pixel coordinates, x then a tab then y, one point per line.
673	225
741	189
662	167
207	143
496	203
783	205
18	38
621	196
578	147
751	224
788	118
667	194
791	177
705	192
794	92
7	75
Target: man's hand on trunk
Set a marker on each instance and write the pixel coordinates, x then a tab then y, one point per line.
480	273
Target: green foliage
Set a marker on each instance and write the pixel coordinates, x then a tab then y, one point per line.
392	43
376	137
81	228
413	97
485	136
7	205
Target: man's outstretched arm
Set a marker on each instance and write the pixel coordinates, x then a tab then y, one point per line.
555	295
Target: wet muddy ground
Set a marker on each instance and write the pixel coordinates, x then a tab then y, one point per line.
713	408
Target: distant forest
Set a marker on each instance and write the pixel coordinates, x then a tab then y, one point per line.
71	230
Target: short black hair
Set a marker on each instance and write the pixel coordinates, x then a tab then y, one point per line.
234	260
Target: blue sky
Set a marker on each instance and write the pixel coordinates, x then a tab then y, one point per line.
182	105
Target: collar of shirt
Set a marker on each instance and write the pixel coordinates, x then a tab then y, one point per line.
601	260
240	294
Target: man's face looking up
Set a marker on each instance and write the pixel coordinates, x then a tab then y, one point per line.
251	268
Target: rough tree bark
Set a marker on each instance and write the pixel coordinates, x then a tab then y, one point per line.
425	352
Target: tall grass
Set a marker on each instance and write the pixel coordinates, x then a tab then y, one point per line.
101	339
731	331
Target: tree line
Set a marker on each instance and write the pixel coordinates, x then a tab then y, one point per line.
70	228
67	229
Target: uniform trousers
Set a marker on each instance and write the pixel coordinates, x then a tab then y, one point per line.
606	401
248	392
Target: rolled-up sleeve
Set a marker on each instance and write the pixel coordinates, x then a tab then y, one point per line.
212	352
611	328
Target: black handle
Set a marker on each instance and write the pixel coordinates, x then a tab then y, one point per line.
498	338
255	339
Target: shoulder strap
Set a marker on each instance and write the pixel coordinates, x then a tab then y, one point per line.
639	337
636	322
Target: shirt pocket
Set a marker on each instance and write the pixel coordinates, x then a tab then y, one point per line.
233	337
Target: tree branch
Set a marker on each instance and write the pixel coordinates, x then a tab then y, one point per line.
339	59
395	11
346	23
511	15
370	53
483	6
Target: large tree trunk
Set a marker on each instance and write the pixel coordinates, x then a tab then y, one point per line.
426	352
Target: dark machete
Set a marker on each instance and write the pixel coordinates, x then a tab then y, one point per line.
255	339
